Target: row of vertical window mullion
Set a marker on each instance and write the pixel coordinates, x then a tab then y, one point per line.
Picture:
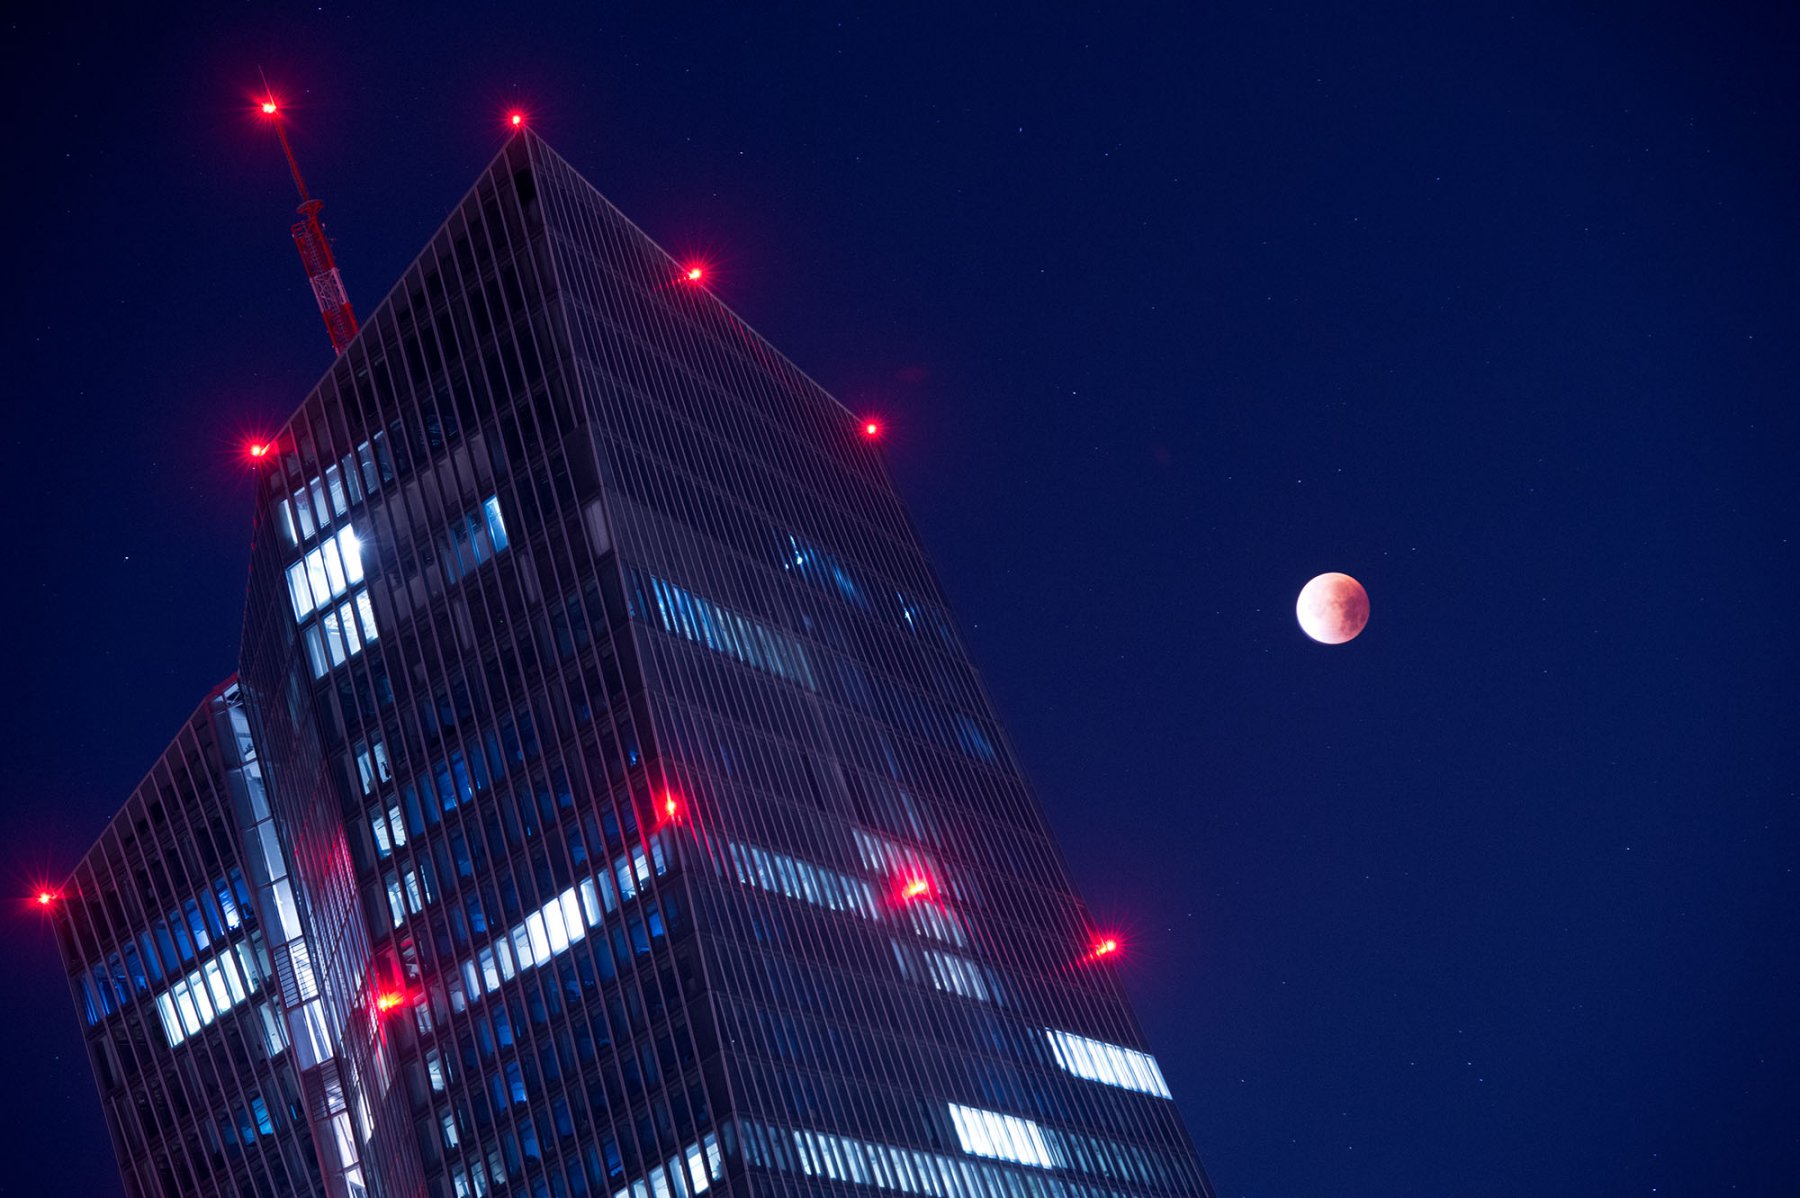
703	1083
806	921
728	363
304	824
375	331
563	586
669	1090
499	907
714	385
969	700
549	669
630	354
426	622
95	918
628	351
223	1080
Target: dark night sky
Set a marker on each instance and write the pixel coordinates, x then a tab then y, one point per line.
1168	309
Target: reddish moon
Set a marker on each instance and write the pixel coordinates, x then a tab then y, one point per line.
1332	609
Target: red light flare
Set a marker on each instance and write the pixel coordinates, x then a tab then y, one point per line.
871	429
515	119
916	887
268	107
387	1000
668	809
696	266
257	450
1104	947
45	898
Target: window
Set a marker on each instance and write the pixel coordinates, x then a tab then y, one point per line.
339	634
434	1069
474	538
704	1165
202	996
956	975
929	919
372	765
547	932
910	1171
1004	1137
822	570
698	619
274	1030
1109	1064
323	499
325	573
797	879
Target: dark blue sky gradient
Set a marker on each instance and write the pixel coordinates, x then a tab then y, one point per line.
1167	308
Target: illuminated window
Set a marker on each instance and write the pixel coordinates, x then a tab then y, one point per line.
274	1029
474	539
929	919
313	507
548	932
1111	1064
1003	1137
396	901
389	830
698	619
945	972
339	634
687	1174
895	858
956	975
372	766
325	573
435	1069
797	879
908	1170
220	984
823	570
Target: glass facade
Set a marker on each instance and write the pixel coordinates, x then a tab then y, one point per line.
169	962
647	828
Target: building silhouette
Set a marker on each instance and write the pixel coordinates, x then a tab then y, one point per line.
616	810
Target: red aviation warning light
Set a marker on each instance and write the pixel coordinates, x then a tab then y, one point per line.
694	274
916	888
1104	946
258	450
315	250
871	429
387	1000
45	898
516	120
668	808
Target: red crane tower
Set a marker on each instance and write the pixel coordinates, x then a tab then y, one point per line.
315	251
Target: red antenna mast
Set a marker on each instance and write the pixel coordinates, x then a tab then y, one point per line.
315	251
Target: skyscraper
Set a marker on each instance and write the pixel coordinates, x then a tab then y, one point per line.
172	976
643	828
